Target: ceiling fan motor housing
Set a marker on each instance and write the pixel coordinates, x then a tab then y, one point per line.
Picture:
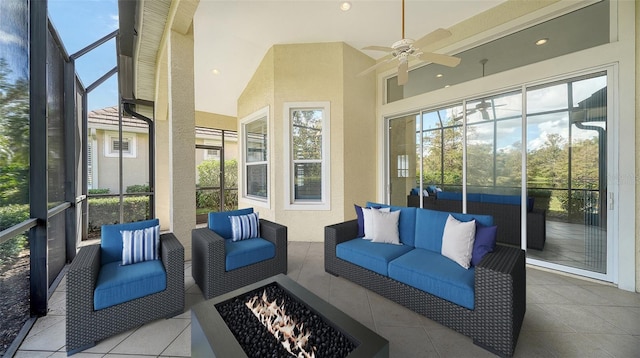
403	46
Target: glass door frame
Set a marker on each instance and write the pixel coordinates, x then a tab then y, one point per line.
612	189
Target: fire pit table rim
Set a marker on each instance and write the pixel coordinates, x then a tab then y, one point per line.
210	336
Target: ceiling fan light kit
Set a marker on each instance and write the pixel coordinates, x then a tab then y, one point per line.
401	50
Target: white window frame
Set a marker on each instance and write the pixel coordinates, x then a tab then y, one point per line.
109	137
289	199
261	114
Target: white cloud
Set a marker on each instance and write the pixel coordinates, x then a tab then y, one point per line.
115	24
8	38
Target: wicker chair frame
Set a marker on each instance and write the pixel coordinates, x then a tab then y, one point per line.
500	293
86	326
208	260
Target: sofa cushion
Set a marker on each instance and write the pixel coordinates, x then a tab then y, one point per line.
221	224
117	283
484	242
430	226
370	255
111	239
406	223
457	240
506	199
247	252
433	273
449	195
369	222
385	227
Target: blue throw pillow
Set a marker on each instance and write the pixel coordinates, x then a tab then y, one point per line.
484	243
245	226
140	245
220	223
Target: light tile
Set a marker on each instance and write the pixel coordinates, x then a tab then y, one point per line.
106	345
48	335
181	346
580	319
152	338
408	343
449	343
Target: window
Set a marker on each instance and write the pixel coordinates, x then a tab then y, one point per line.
307	154
403	166
255	140
113	145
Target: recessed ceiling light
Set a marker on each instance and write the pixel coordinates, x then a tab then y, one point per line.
447	86
215	71
439	75
345	6
542	41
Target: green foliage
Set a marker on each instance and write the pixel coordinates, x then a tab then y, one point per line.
14	138
11	215
139	188
209	174
98	191
104	211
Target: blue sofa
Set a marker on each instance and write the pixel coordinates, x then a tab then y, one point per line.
485	302
505	210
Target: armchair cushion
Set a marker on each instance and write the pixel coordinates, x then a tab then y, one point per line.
246	252
117	283
245	226
140	245
221	224
111	243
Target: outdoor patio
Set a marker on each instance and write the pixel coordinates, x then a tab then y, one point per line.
566	317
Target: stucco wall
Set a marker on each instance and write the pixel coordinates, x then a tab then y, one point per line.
216	121
135	170
313	73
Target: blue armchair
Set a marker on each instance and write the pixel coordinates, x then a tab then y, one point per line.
220	264
107	295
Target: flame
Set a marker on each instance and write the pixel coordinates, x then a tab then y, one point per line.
292	336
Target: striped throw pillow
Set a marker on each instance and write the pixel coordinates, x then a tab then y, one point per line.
244	226
140	245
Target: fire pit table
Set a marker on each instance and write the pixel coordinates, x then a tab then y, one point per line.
212	337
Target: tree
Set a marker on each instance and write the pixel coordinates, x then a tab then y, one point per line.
14	138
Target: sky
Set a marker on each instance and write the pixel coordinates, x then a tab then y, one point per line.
80	23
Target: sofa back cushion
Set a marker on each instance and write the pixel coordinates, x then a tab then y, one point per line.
506	199
111	239
406	223
221	224
430	226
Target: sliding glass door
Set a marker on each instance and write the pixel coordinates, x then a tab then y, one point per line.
477	148
567	161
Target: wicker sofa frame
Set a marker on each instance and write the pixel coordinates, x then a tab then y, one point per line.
505	216
208	260
86	326
500	293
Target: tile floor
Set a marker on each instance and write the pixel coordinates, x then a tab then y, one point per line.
566	317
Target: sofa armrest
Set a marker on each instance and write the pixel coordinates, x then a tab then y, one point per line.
82	276
500	295
339	233
207	254
334	235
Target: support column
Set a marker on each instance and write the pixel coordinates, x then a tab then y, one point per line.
181	117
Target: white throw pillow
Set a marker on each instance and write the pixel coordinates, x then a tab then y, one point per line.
457	240
385	228
368	221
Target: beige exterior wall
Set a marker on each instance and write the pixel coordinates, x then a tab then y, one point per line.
135	170
217	121
317	73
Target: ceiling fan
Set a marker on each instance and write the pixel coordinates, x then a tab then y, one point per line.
405	48
484	105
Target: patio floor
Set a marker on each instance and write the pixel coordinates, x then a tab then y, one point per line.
566	317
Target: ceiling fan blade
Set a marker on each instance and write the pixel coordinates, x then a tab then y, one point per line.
378	48
440	59
403	73
485	114
432	37
379	64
